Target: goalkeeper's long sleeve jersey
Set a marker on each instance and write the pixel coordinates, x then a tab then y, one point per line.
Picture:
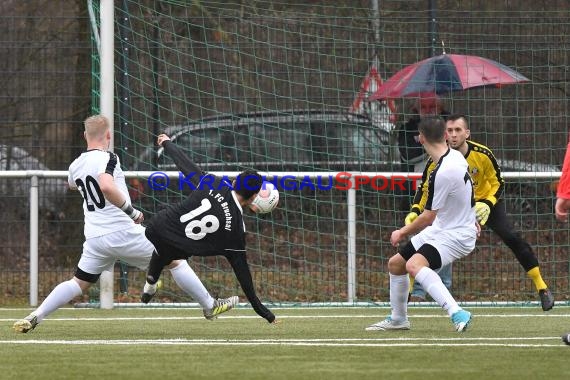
488	184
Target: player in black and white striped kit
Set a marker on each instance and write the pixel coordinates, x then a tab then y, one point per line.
112	228
446	233
209	222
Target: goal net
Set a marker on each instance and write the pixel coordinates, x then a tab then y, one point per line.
282	87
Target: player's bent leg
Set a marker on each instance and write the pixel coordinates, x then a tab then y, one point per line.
188	281
546	296
417	293
62	294
525	256
397	265
155	268
221	305
153	275
445	273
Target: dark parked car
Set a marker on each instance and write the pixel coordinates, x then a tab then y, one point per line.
277	141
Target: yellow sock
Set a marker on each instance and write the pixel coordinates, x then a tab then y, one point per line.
535	276
411	283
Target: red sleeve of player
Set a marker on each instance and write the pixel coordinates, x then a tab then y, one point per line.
564	184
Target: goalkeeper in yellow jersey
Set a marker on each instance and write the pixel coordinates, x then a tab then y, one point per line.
489	207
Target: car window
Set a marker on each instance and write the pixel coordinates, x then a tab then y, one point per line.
345	141
366	143
204	145
276	142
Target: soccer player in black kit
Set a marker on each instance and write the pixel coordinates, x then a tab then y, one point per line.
209	222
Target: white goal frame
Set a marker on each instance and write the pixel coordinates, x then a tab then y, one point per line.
107	291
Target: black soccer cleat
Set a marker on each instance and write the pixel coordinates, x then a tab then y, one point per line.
546	299
145	297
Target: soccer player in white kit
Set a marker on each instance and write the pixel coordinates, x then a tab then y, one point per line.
112	230
446	231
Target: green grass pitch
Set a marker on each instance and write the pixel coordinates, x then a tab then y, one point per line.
309	343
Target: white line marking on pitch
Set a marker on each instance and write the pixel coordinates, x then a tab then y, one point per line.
202	342
167	318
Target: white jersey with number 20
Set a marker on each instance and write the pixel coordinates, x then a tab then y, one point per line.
101	216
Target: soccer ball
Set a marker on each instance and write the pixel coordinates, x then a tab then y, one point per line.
266	200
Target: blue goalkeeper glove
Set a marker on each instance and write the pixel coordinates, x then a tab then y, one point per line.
482	212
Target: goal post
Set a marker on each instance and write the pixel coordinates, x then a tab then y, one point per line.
106	52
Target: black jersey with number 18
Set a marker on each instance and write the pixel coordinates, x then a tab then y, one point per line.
208	222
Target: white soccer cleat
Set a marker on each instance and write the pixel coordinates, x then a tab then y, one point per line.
27	324
389	324
221	305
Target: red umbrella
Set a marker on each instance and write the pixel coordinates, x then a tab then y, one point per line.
445	73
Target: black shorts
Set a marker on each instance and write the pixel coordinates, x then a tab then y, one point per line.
427	250
165	251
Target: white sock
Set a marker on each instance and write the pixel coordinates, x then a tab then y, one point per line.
149	288
59	296
187	280
399	289
432	284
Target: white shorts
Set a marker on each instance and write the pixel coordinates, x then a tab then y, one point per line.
130	246
451	244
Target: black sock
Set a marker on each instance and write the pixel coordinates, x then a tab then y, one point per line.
154	269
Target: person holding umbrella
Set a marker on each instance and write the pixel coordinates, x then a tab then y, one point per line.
446	73
412	153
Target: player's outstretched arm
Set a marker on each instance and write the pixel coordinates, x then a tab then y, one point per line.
181	160
239	264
